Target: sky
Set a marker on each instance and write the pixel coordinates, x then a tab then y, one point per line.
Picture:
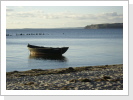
18	17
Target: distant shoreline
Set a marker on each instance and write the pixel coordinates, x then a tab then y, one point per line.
105	26
50	28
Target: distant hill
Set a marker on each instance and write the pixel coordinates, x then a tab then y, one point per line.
103	26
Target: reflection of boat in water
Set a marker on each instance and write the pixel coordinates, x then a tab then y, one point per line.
48	57
39	50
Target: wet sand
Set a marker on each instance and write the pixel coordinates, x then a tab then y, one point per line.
106	77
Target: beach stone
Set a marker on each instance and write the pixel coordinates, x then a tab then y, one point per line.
70	68
106	77
29	83
98	80
65	88
74	80
84	80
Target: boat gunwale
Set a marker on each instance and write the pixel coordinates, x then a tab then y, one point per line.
42	47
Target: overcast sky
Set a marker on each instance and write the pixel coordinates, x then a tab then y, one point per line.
61	16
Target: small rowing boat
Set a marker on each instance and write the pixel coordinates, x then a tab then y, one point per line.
40	50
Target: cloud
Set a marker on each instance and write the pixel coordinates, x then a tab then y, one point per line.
110	14
39	17
27	14
67	15
7	9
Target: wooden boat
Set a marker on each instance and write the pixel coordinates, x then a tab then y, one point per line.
39	50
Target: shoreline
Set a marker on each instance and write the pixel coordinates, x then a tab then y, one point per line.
59	70
105	77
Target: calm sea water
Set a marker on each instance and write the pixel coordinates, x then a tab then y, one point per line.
87	47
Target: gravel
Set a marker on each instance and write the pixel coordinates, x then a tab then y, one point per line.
109	78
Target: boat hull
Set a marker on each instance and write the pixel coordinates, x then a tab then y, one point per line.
37	50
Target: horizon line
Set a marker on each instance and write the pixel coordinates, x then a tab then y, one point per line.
50	28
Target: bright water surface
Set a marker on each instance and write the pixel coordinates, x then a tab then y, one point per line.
87	47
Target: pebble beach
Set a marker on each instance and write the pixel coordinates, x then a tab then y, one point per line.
105	77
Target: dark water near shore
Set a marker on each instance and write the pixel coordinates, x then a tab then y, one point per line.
87	47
